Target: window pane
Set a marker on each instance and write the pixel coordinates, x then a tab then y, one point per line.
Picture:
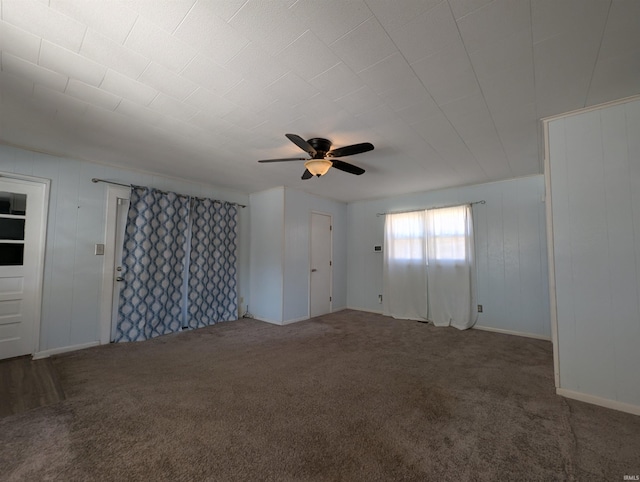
13	203
405	236
11	254
12	229
447	229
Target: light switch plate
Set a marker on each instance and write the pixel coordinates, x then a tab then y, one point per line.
99	251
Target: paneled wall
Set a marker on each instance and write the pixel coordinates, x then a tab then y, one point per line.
511	251
280	243
267	252
594	160
73	274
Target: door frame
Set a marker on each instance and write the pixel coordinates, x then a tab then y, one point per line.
330	216
45	185
106	297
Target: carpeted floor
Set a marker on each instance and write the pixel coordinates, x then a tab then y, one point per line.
26	384
348	396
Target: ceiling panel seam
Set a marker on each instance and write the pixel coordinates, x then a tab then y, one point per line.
595	63
475	75
431	97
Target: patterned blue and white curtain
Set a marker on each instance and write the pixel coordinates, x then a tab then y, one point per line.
154	264
212	282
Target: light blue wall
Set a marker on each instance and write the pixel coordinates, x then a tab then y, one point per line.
77	207
298	208
595	189
510	241
266	272
280	242
511	254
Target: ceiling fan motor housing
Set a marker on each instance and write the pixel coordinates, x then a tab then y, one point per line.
322	146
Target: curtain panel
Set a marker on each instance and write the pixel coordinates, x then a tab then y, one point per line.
212	284
153	261
451	266
405	267
429	266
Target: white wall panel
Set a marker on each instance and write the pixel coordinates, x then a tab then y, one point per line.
266	265
619	210
588	233
89	226
512	282
72	273
595	189
62	261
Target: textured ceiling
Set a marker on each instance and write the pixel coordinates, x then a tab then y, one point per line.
449	92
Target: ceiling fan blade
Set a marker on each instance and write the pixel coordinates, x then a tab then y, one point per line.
351	150
285	159
301	143
306	174
346	167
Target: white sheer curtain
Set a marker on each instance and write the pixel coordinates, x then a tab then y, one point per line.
405	266
451	267
429	266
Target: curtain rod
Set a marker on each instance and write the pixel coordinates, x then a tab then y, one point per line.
435	207
95	179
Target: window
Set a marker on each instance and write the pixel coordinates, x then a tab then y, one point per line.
12	223
447	233
440	233
428	271
406	236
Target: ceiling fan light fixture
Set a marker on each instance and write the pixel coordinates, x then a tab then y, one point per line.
318	167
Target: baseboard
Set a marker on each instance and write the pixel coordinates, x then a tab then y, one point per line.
602	402
377	312
265	320
295	320
64	349
511	332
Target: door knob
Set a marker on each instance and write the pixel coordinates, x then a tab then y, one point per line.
119	278
314	270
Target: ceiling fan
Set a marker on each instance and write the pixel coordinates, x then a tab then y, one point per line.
323	157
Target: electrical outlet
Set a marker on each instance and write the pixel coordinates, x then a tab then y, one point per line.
479	308
379	298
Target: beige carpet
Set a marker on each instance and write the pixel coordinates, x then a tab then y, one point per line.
349	396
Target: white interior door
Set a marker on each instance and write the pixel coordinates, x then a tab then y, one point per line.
22	217
121	224
321	265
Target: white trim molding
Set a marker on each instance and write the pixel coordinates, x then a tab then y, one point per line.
282	323
602	402
377	312
271	322
45	185
295	320
113	193
64	349
624	100
511	332
553	310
